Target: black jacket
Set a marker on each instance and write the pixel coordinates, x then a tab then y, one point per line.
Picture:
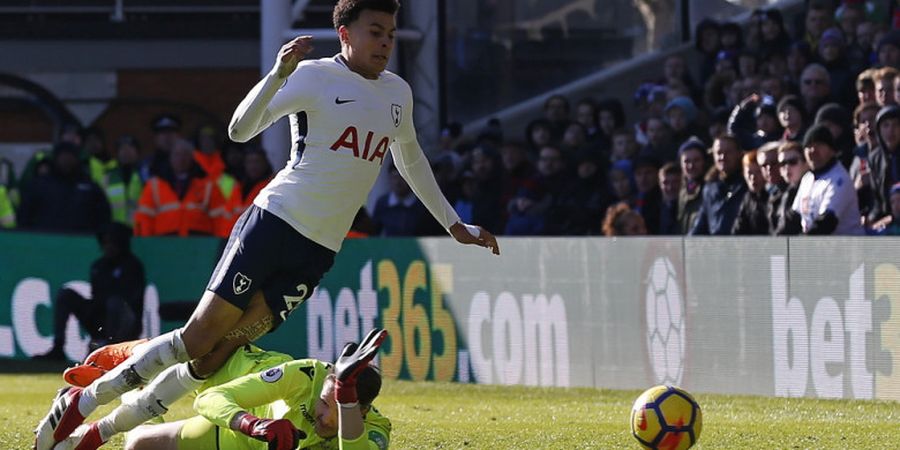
58	204
721	202
753	216
121	278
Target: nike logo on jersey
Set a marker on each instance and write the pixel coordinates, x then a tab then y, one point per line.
338	101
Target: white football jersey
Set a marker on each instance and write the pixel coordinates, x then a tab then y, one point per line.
831	191
350	124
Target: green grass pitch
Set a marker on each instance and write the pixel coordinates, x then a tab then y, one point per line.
453	416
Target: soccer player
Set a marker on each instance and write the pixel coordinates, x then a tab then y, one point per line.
327	406
351	111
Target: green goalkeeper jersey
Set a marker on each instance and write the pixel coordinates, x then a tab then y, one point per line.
273	385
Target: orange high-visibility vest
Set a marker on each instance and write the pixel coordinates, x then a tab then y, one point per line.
201	211
211	163
236	203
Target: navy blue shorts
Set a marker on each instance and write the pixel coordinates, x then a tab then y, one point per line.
266	253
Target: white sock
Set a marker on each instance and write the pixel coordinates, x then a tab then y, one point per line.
154	400
145	363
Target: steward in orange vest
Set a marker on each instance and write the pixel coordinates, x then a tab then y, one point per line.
257	174
182	201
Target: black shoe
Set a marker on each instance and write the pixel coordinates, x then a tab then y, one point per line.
55	354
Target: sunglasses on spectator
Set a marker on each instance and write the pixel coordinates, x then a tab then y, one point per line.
791	161
810	81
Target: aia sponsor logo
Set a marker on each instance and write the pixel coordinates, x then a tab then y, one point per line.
369	149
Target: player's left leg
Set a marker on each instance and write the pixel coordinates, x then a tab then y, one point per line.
164	437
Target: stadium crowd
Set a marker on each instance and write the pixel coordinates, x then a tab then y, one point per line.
784	129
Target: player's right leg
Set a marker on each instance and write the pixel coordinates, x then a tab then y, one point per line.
229	292
212	319
193	433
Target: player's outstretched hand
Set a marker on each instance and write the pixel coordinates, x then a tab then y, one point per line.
291	54
280	434
483	238
354	358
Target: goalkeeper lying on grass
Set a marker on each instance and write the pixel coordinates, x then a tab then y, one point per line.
328	406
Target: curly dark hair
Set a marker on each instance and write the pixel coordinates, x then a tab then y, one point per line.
347	11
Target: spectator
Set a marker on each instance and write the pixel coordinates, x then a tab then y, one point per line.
555	182
621	182
767	158
772	86
748	64
754	121
792	116
815	87
670	182
41	164
526	213
675	74
793	166
648	202
574	139
624	147
586	116
724	190
659	141
833	55
753	214
731	37
718	122
707	44
681	116
206	152
518	169
539	134
585	201
556	112
819	17
692	156
890	225
181	200
621	220
826	200
888	50
166	132
257	174
65	200
884	86
610	118
840	124
468	189
99	160
233	157
399	212
865	86
799	56
882	168
122	183
116	307
865	40
773	37
866	139
7	212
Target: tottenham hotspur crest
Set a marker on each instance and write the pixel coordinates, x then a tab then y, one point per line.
241	283
395	113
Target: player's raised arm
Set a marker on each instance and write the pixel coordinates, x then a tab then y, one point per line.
252	115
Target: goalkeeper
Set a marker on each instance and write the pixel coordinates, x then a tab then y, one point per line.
327	406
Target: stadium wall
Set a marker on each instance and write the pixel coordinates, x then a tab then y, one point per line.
815	317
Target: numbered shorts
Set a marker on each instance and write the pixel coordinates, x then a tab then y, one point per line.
265	253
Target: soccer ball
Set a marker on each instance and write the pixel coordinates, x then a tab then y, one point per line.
666	418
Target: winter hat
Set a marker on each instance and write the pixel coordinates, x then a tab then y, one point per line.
818	134
692	142
686	105
832	36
